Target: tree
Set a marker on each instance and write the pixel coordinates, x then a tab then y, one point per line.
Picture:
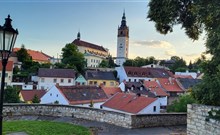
73	58
104	64
35	99
195	16
11	95
179	64
23	55
180	105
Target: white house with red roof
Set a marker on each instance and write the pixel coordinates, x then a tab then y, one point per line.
132	104
155	88
136	74
75	95
8	72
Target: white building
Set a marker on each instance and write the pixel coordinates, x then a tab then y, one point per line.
49	77
132	104
75	95
122	42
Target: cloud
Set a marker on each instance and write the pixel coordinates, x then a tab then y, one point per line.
170	52
152	44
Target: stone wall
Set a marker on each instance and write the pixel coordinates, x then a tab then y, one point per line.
116	118
199	121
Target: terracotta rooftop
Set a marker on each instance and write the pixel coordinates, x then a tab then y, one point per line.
83	94
9	66
64	73
183	76
78	42
170	85
130	103
36	55
147	72
28	95
110	91
154	87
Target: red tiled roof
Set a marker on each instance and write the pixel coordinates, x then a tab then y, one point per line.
147	72
154	87
183	76
36	55
130	103
28	95
9	66
78	42
170	84
110	91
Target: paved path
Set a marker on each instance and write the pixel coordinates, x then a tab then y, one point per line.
100	128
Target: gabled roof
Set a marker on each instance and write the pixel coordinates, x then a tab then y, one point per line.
154	87
99	75
64	73
36	55
147	72
130	103
110	91
28	95
78	42
170	85
9	66
138	88
188	83
83	94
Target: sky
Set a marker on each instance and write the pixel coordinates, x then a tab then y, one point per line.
48	25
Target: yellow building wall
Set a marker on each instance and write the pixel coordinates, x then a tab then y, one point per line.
22	99
108	83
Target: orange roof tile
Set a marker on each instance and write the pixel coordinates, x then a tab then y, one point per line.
130	103
36	55
170	84
183	76
9	66
110	91
154	87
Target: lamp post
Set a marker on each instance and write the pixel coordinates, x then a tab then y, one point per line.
8	37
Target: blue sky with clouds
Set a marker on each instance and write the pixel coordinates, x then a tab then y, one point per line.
47	25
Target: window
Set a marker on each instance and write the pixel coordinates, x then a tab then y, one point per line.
61	80
111	83
95	83
6	74
54	80
69	80
134	80
155	108
129	80
42	79
90	82
83	83
57	95
104	83
50	94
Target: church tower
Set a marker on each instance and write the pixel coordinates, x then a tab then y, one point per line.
122	42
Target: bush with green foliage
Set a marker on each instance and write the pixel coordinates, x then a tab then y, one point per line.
180	105
11	95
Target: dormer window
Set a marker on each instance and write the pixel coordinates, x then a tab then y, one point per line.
132	88
141	88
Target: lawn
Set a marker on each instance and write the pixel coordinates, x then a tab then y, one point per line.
44	128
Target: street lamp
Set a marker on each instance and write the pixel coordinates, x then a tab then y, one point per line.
8	37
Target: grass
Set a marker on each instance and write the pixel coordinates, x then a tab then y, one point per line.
44	128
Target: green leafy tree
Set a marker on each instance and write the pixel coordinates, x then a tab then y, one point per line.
73	58
11	95
195	17
35	99
180	105
23	55
104	64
